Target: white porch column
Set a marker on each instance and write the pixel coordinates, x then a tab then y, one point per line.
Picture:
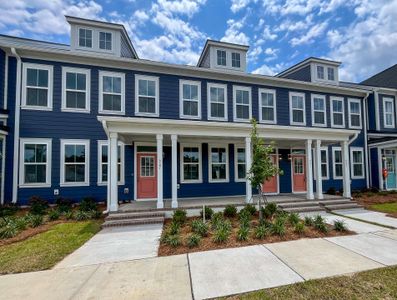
174	150
346	170
319	179
309	171
248	159
160	203
114	200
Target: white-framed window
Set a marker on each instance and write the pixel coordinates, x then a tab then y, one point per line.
388	112
189	99
75	89
331	73
85	38
357	162
297	108
221	57
354	113
191	167
35	166
147	96
218	163
37	84
337	163
337	112
320	72
267	106
319	110
217	101
242	103
323	162
75	162
111	92
103	162
240	169
105	40
236	61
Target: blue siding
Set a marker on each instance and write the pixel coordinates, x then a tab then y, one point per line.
371	112
2	76
375	168
303	74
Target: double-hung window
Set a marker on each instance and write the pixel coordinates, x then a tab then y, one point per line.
217	102
35	168
240	170
319	110
146	95
221	57
242	103
337	112
37	86
297	109
388	112
331	73
267	106
111	92
320	72
337	162
357	162
323	162
236	63
354	113
75	89
85	38
191	163
103	162
105	41
190	99
218	163
75	157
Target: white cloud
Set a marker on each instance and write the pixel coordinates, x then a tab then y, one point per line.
264	70
234	34
238	5
184	7
314	32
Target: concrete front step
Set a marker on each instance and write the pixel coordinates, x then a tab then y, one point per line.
343	206
298	204
304	209
335	202
136	221
134	215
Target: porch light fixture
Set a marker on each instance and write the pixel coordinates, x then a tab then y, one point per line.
289	157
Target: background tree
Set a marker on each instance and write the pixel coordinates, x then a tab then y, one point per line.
262	167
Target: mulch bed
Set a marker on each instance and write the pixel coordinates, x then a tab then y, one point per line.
367	200
207	243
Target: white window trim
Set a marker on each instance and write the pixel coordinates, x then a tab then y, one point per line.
182	179
387	99
323	111
122	162
111	74
210	146
325	79
86	143
221	86
329	68
242	88
291	94
236	147
47	142
332	111
315	169
157	96
87	74
356	149
189	82
226	55
353	100
324	69
333	163
111	43
267	91
50	70
78	38
231	59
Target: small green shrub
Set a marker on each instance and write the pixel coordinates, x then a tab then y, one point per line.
216	219
173	240
174	228
179	216
242	233
53	215
35	220
88	204
230	211
38	206
82	215
95	214
64	205
208	213
340	225
244	216
278	227
193	240
221	235
293	219
269	210
8	231
320	225
199	227
309	221
250	208
7	210
21	223
261	232
299	228
224	224
69	215
318	220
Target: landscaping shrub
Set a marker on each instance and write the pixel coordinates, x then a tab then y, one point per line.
340	225
208	213
250	208
35	220
242	233
293	219
309	221
174	228
299	228
224	224
38	206
7	210
53	215
244	215
95	214
9	230
278	227
64	205
88	204
331	191
69	215
199	227
269	210
216	219
221	235
82	215
261	232
320	224
179	216
173	240
21	223
193	240
230	211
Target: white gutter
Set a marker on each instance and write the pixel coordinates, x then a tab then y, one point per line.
377	116
105	128
3	165
365	127
16	131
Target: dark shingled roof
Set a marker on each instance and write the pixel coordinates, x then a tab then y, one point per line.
381	140
387	78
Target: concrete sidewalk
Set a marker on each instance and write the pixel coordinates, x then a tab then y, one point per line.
370	216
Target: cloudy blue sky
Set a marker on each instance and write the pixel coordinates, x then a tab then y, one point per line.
360	33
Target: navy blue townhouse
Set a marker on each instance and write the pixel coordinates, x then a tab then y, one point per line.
93	119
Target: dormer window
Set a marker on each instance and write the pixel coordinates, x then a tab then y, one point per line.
320	72
105	41
236	60
85	38
221	57
331	74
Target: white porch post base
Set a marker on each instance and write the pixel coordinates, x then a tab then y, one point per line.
319	179
174	140
114	201
159	139
346	170
309	171
248	187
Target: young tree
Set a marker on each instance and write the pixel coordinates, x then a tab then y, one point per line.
262	167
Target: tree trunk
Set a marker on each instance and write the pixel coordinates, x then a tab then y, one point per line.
260	204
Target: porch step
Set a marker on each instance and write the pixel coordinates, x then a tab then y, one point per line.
304	209
343	206
308	203
136	221
335	201
134	215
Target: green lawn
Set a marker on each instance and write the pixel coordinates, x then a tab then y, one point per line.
374	284
385	207
44	250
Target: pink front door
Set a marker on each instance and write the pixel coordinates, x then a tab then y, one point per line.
298	173
146	175
271	186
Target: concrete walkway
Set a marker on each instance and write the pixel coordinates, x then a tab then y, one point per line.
370	216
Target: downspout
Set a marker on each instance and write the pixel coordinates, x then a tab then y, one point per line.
3	165
16	130
365	127
105	128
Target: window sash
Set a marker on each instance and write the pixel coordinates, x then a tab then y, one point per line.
320	72
319	113
75	92
331	74
338	163
35	167
264	101
190	163
190	104
37	94
217	102
79	173
357	166
297	109
355	116
221	57
85	38
104	163
242	102
338	119
218	164
240	164
388	110
105	41
236	61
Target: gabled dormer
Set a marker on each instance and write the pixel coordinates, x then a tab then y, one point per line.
222	55
314	69
100	37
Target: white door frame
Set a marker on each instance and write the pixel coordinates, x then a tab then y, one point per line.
292	169
136	145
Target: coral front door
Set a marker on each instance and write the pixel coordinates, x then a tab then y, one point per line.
146	176
298	173
271	186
